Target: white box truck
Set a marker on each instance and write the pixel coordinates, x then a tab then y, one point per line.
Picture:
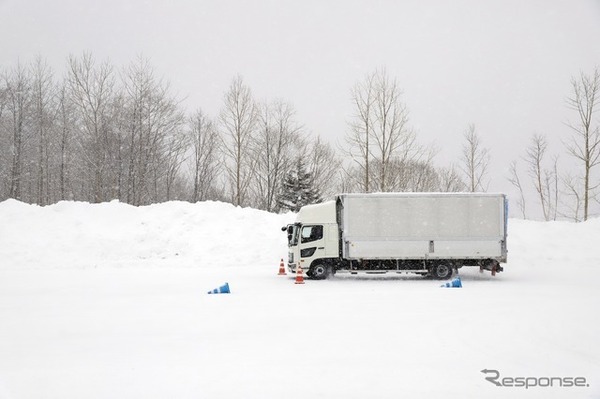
425	233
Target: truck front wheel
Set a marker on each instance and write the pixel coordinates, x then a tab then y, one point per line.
441	271
320	271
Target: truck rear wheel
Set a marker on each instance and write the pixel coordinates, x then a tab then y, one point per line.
320	271
441	271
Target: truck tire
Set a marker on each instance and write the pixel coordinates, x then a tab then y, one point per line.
441	271
320	271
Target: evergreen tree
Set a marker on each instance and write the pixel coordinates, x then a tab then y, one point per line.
298	189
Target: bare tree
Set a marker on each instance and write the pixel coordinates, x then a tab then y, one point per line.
379	131
535	157
552	183
91	90
545	181
66	156
324	167
238	120
173	157
4	142
572	190
410	175
423	177
515	180
2	98
351	178
584	144
392	137
277	133
359	137
43	116
205	145
476	160
450	180
18	100
141	137
154	140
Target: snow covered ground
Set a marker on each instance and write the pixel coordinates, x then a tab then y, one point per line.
110	301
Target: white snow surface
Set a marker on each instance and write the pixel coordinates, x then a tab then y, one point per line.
110	301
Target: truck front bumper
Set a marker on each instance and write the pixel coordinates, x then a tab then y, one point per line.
292	268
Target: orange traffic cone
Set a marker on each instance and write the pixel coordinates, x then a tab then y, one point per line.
299	277
281	269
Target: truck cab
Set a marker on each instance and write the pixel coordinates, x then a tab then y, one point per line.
313	241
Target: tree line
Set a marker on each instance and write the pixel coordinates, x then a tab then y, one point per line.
101	133
572	194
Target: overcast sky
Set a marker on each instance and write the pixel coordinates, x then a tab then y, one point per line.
503	65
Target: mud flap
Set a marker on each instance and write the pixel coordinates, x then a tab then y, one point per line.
491	265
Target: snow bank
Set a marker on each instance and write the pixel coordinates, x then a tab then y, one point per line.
83	235
557	246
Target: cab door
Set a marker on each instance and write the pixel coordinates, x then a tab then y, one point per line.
312	244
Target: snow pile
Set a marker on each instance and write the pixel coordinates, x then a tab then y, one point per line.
110	301
81	235
556	246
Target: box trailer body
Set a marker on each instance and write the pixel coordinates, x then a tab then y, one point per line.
426	233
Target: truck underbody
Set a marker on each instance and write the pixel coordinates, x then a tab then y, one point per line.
435	268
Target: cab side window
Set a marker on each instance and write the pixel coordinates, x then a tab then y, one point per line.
311	233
